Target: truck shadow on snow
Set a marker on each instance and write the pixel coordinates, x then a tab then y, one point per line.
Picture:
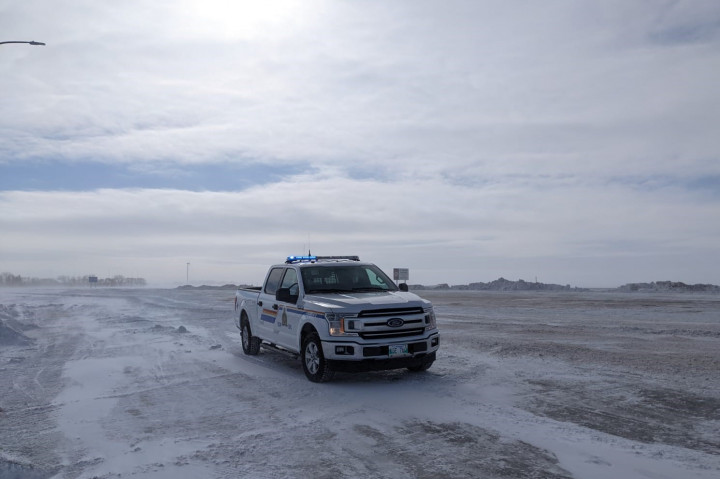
286	364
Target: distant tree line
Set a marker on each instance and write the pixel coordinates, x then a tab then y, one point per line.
673	286
503	284
9	279
500	284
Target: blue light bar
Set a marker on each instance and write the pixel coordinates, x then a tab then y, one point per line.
299	259
313	259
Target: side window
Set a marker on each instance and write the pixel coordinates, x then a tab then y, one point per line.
376	280
290	281
273	281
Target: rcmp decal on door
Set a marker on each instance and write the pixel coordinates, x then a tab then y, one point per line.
268	315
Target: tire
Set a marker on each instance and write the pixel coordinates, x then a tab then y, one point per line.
423	366
314	363
250	343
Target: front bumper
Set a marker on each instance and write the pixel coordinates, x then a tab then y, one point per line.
346	351
382	364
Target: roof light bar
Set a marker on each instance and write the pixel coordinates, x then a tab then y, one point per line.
348	258
300	259
312	259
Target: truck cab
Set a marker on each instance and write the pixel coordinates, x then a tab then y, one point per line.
337	313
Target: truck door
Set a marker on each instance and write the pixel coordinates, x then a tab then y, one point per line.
288	313
267	306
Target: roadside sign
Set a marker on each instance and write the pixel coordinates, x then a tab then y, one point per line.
401	274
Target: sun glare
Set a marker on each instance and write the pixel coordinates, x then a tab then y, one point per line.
246	19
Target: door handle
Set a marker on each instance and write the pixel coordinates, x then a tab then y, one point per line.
275	307
259	303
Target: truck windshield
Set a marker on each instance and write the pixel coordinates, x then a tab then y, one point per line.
344	278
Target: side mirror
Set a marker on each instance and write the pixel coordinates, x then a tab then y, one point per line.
403	287
283	295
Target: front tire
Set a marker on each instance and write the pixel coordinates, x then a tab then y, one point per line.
250	344
314	363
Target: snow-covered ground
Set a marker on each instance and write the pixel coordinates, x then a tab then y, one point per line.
142	383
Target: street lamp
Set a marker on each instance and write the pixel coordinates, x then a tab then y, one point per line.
29	43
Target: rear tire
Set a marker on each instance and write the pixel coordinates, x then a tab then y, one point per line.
314	363
250	344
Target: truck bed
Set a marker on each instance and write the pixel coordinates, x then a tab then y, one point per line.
251	288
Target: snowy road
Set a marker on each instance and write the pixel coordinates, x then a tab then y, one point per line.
105	383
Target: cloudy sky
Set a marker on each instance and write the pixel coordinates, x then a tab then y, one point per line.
575	142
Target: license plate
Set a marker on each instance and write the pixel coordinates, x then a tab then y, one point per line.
397	349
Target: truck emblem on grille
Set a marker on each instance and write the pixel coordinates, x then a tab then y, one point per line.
395	322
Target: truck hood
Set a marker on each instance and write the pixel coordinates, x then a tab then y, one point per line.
356	302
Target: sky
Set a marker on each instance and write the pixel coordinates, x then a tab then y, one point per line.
563	141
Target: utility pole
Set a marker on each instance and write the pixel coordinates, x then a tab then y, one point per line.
187	273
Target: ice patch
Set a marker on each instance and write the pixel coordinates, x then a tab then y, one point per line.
11	337
14	470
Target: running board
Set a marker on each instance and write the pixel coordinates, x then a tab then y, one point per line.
279	349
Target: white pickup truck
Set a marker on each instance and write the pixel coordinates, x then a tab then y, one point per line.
337	314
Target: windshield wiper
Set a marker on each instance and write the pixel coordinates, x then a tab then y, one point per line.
370	289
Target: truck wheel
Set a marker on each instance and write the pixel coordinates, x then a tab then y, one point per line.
250	344
314	364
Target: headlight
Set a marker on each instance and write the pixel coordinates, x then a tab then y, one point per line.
337	323
430	321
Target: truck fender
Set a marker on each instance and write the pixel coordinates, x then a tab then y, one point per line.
306	329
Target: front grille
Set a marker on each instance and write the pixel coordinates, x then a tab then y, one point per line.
375	324
384	323
388	334
390	312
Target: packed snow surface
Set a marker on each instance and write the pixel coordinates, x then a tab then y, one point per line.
141	383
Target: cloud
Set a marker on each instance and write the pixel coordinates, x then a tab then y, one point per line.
422	224
498	133
346	82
